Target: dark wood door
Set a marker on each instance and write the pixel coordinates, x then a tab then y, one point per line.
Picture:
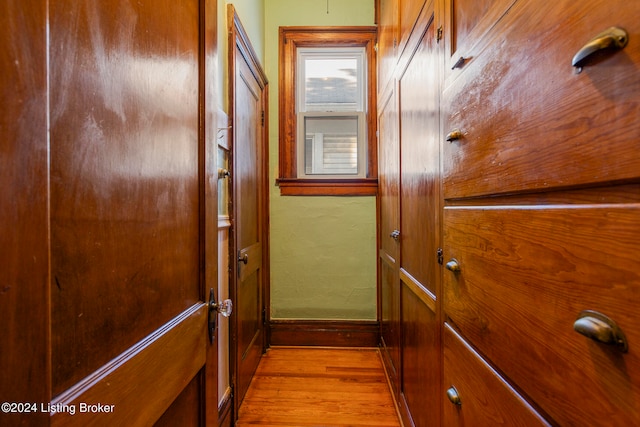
119	241
419	224
247	104
389	232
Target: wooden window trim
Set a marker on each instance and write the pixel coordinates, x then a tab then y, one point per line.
290	39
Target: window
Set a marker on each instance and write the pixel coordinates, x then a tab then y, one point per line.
327	111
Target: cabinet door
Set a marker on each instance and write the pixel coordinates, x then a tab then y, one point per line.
468	23
526	275
529	121
475	393
419	239
388	231
387	41
408	13
420	161
421	367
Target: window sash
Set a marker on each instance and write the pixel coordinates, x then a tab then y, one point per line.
319	155
330	54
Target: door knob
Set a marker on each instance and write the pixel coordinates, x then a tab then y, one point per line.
453	265
395	235
223	307
223	173
244	259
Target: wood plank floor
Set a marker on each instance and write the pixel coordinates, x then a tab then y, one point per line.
319	387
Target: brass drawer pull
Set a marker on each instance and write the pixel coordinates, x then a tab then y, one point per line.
453	265
613	38
600	328
453	396
454	135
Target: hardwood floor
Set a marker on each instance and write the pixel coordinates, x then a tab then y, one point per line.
313	386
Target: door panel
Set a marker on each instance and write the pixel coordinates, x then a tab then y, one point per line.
247	103
419	147
388	227
24	298
420	234
248	297
420	357
143	381
125	165
186	403
124	178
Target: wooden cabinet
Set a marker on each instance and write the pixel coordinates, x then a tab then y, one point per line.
476	394
528	120
467	23
537	196
526	273
540	222
408	212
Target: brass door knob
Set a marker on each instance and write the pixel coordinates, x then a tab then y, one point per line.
453	265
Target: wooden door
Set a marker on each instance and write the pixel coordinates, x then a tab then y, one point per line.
389	232
247	105
115	249
419	225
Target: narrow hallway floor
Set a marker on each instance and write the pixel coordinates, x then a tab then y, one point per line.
312	386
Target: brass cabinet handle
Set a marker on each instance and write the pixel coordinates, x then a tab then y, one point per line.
613	38
453	265
454	135
600	328
453	396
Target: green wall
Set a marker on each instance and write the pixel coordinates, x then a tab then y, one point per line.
323	249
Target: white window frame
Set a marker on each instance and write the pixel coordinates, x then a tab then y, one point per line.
359	111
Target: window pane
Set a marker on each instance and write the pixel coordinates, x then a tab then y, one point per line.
331	145
331	84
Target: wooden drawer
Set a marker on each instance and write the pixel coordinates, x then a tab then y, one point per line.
525	274
528	120
485	398
469	22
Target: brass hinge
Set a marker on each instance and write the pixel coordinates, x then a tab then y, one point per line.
262	119
439	33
